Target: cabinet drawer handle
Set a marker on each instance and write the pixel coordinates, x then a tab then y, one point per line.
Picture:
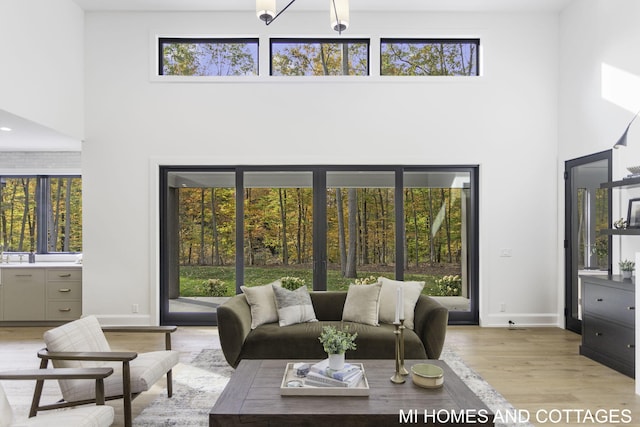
599	300
23	275
64	290
598	334
64	310
64	275
631	346
631	308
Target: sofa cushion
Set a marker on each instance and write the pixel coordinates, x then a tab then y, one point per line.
262	303
300	341
362	304
388	295
293	306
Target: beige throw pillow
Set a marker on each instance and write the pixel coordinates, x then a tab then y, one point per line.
294	306
262	303
362	304
388	295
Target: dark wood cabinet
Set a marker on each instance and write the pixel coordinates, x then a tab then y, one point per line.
608	321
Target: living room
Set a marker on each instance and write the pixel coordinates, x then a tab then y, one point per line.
558	81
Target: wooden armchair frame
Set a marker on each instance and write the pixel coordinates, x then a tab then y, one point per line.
112	356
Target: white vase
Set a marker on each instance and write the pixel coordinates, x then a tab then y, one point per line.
336	361
626	274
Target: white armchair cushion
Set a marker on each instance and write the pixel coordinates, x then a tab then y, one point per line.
94	416
146	370
86	335
6	413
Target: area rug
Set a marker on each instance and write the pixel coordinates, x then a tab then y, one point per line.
198	384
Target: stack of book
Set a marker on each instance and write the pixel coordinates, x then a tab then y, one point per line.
320	375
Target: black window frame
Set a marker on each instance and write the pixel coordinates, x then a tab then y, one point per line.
204	40
42	207
320	40
319	243
410	40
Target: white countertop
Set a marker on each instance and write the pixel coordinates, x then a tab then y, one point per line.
41	264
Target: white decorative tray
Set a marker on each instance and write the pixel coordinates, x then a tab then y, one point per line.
361	389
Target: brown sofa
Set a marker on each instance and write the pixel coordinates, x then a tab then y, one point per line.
300	341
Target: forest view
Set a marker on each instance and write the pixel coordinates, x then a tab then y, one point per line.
278	237
62	201
321	57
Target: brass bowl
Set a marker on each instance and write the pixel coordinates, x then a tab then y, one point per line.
427	375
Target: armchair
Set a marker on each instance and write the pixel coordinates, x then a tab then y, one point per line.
95	416
82	343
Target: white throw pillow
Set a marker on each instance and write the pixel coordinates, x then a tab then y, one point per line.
262	303
294	306
362	304
388	295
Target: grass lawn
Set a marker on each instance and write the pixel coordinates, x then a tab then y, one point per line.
192	277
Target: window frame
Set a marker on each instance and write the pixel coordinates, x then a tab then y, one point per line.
161	40
321	40
430	40
319	229
41	199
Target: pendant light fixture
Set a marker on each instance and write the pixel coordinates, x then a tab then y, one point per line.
339	15
266	11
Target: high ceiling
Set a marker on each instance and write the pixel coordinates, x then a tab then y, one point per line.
310	5
27	135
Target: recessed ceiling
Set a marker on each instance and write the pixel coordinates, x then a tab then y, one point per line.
26	135
321	5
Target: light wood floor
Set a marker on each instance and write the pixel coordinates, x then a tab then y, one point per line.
534	369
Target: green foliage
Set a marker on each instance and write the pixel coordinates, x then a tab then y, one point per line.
191	277
291	282
18	220
366	280
213	288
627	265
208	59
336	341
428	59
320	59
449	286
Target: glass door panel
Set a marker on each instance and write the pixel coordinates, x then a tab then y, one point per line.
202	228
437	220
278	227
587	208
360	227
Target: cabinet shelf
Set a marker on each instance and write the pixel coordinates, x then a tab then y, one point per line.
628	182
624	232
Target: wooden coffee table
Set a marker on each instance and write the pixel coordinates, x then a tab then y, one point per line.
252	397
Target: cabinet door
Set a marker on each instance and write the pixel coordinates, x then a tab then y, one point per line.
24	294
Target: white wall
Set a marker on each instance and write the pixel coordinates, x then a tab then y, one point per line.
600	93
505	121
42	63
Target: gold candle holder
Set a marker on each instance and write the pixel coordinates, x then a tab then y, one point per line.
402	370
397	378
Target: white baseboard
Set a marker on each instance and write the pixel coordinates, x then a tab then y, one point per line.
125	320
530	320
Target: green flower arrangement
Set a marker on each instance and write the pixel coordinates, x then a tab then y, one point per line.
366	280
336	341
291	282
213	288
627	265
449	286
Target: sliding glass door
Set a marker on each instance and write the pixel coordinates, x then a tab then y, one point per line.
324	226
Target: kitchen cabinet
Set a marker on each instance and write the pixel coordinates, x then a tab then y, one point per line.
40	293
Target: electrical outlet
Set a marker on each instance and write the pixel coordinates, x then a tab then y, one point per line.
134	308
506	252
503	307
